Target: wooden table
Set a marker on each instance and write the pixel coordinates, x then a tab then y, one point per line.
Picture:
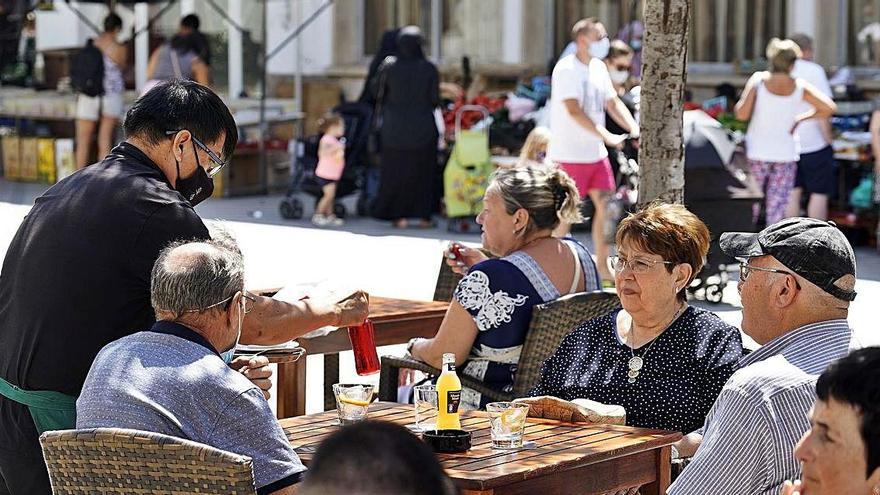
395	322
568	458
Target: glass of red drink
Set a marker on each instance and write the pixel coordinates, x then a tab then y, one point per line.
366	360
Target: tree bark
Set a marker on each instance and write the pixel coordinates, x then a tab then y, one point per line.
664	61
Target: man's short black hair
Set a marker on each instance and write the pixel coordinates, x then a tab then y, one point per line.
855	380
177	105
112	22
190	21
375	458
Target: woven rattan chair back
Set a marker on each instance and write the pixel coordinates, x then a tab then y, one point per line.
551	322
447	281
117	461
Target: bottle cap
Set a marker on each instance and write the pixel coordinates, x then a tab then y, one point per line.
448	356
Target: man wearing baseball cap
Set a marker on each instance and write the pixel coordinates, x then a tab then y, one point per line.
796	282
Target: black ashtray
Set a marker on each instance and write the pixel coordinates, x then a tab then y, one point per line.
448	441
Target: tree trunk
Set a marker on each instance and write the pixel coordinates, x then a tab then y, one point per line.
664	60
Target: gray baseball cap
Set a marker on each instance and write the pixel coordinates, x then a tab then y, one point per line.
814	249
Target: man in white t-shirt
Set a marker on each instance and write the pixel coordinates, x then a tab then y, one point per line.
581	93
816	170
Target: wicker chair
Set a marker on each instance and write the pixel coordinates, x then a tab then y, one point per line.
114	460
551	322
447	280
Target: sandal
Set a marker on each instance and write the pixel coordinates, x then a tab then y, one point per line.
401	223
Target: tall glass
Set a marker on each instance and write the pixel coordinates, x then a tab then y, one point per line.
366	360
425	403
508	420
352	402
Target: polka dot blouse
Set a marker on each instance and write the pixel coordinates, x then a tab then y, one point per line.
682	374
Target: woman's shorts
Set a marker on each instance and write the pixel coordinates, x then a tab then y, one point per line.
93	107
817	172
590	176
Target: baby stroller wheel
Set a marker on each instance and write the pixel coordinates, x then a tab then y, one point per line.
339	210
714	294
291	208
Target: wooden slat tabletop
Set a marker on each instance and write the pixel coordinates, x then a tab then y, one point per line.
559	447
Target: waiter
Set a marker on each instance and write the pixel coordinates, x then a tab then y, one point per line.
77	273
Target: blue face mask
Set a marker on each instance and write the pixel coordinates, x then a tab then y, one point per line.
227	356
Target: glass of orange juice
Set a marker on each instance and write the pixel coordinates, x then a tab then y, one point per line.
352	401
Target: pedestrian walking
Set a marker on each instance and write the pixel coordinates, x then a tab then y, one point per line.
102	111
408	87
581	93
771	102
816	168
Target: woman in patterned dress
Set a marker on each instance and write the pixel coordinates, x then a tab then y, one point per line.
489	316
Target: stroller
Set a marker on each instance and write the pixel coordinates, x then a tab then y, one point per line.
357	123
718	193
467	172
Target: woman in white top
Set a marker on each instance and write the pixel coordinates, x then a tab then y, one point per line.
771	103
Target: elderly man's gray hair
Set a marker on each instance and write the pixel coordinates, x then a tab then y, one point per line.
195	275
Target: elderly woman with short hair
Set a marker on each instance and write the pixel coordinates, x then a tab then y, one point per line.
661	359
489	316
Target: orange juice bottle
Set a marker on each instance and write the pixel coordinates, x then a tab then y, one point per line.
448	395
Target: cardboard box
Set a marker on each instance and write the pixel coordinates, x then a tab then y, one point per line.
46	160
12	157
65	162
29	159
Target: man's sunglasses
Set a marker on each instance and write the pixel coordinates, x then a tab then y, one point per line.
219	163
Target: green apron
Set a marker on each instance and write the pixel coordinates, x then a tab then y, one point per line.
50	410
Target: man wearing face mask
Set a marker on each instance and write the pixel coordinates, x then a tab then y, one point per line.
77	273
173	378
581	93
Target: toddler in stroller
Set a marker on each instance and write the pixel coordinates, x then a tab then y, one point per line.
356	117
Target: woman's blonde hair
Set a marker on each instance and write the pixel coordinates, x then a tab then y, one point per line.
538	139
782	54
548	194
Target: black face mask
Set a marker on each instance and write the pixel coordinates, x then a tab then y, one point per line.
198	186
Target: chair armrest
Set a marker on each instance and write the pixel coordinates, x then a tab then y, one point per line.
390	373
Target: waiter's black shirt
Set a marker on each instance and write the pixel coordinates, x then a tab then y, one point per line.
77	273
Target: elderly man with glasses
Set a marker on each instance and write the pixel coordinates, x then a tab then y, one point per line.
174	377
796	284
77	273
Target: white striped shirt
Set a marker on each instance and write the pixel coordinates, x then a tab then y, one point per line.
751	430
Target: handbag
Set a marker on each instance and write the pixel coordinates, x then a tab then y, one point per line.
374	138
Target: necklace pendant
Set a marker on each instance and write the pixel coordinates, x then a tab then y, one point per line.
631	380
632	374
636	363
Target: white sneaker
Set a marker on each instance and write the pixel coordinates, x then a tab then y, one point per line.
334	221
320	220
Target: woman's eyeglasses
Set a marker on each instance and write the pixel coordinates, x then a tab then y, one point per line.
637	265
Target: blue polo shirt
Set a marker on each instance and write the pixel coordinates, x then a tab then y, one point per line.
170	380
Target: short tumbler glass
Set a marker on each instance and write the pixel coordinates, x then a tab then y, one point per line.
352	401
508	420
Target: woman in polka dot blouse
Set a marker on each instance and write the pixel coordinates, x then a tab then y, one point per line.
662	360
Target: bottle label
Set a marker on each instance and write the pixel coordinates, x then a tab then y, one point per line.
453	397
449	367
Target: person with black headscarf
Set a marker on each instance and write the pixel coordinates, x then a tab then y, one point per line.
387	48
409	88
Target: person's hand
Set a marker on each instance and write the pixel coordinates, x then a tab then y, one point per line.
791	488
461	258
256	369
353	310
615	140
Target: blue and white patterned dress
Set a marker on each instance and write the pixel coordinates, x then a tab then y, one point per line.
499	294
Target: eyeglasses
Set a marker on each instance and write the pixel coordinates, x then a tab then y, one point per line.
219	163
636	265
745	270
244	306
